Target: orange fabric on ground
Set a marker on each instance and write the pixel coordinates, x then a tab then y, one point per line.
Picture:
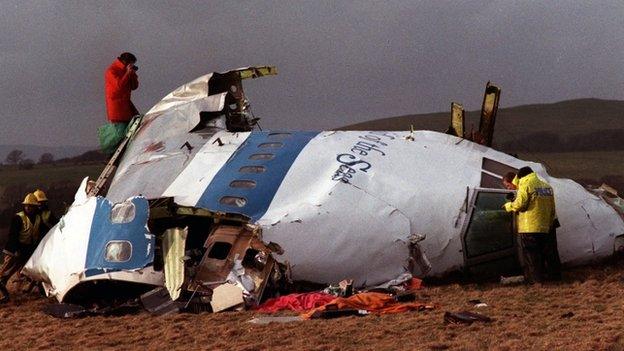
372	302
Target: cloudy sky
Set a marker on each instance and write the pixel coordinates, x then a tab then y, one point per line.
339	62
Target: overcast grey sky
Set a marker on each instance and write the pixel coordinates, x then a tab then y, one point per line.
339	62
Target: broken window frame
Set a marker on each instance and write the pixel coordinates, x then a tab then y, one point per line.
484	258
123	212
106	256
233	201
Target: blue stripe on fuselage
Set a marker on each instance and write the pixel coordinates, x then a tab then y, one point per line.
103	231
259	198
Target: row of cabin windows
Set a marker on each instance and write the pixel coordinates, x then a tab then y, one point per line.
237	201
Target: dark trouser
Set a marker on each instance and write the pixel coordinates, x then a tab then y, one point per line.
540	259
10	266
551	256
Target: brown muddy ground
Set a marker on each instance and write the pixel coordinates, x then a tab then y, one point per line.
525	318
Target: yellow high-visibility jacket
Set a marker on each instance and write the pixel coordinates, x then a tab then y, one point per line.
30	231
535	205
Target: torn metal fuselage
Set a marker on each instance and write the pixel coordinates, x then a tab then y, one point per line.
340	204
221	250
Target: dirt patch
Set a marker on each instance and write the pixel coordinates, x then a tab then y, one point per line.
584	312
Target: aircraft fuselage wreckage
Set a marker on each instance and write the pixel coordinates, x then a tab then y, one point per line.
199	201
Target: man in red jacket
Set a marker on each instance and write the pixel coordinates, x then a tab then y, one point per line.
121	79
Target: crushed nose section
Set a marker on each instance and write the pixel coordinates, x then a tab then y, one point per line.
96	240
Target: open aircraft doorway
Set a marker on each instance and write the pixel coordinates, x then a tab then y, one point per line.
488	236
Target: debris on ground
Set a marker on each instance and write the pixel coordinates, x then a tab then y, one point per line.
270	319
296	302
478	303
517	279
372	302
69	311
465	317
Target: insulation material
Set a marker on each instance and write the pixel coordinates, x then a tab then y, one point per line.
173	244
226	296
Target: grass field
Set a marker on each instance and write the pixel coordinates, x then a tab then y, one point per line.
583	312
45	175
589	164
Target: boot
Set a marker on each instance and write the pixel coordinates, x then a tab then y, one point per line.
4	292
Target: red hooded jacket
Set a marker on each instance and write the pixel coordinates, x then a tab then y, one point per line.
118	85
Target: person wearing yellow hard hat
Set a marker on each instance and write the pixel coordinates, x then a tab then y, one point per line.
47	217
24	235
536	223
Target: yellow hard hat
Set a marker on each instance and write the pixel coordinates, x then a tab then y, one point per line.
41	196
30	199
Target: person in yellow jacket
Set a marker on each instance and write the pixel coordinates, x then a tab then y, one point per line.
24	235
535	205
47	217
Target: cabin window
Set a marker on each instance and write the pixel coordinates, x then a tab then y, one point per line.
245	184
220	250
491	181
271	145
233	201
496	167
123	213
492	173
118	251
279	136
491	227
261	157
252	169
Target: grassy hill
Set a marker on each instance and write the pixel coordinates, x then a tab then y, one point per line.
34	151
574	125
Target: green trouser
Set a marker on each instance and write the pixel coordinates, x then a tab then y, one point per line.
110	136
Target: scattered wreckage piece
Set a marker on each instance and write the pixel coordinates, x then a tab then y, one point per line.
465	317
158	302
71	311
271	319
173	248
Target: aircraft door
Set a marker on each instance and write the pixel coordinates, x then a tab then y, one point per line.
488	236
